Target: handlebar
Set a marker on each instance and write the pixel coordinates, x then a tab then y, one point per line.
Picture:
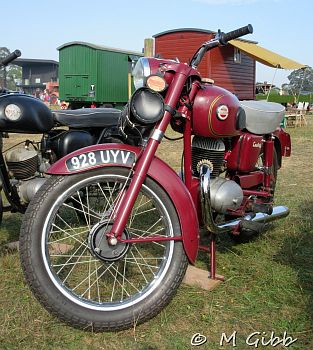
219	39
11	57
234	34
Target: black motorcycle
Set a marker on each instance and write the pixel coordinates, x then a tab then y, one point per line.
23	166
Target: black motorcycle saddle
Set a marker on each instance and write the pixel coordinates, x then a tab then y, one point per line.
88	117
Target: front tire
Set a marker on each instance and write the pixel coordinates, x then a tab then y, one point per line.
76	275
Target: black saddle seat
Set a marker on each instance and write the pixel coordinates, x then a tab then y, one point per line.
88	117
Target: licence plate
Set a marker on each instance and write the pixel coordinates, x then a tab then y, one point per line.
96	158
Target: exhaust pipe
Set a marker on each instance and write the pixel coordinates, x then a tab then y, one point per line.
279	212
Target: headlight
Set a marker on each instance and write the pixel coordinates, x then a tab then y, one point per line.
147	107
140	72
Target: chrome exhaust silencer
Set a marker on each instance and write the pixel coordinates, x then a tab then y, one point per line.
279	212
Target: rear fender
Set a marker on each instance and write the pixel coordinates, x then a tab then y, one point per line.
103	155
282	140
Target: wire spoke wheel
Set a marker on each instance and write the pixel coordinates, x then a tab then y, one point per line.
79	256
108	282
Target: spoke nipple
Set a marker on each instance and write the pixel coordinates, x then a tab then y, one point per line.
97	250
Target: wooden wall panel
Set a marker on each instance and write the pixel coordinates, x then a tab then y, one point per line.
218	64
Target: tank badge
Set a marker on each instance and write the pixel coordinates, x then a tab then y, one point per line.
13	112
222	112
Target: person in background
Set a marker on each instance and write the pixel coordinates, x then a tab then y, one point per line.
46	96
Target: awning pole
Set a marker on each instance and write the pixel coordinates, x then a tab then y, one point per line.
269	91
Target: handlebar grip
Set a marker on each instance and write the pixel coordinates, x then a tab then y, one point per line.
237	33
11	57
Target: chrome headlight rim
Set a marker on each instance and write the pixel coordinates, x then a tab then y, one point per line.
140	72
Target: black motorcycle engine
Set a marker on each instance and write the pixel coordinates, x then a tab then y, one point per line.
22	162
209	151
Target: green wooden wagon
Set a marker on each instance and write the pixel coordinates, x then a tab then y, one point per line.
91	74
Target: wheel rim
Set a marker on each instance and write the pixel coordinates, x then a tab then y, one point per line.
94	281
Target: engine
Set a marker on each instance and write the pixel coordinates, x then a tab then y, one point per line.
209	151
25	167
22	163
225	194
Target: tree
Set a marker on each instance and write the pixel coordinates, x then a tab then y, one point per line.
10	73
301	79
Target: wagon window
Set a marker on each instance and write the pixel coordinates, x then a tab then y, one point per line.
237	55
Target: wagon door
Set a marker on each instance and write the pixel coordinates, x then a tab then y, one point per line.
77	86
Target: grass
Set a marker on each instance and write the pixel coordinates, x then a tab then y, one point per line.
268	283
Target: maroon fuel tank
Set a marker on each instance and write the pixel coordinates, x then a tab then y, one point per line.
216	113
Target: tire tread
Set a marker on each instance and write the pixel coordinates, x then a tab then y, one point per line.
42	296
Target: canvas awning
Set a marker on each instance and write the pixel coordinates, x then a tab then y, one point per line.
265	56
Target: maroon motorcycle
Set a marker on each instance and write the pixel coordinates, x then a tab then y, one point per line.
107	239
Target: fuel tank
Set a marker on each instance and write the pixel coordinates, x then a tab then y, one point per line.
217	113
24	114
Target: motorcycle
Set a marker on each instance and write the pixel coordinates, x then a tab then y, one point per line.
22	168
106	241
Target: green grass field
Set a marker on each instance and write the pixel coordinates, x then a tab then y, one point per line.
268	283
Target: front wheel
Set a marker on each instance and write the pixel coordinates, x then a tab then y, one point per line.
77	275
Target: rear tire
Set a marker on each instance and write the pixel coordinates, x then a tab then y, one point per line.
71	278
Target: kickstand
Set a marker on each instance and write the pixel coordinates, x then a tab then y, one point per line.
213	259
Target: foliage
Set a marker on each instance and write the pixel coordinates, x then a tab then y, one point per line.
12	72
287	89
301	80
285	98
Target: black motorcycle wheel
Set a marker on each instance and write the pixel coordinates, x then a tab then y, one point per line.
72	270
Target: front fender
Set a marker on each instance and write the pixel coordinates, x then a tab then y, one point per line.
159	171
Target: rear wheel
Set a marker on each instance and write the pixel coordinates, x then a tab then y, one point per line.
77	275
